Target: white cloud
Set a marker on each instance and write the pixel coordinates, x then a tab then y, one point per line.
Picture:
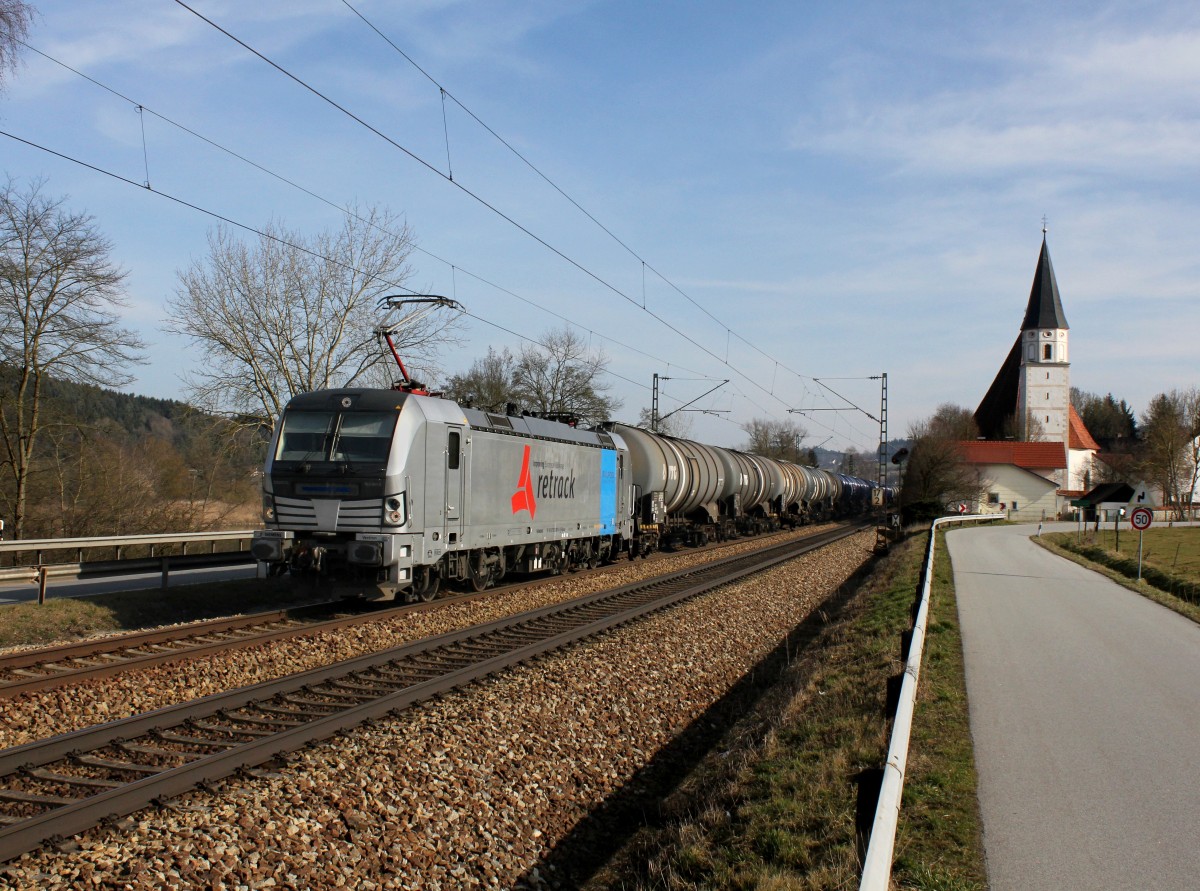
1097	107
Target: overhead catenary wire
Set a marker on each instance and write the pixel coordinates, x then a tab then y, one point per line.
508	145
142	110
489	206
737	371
275	238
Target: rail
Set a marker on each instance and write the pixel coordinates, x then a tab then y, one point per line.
877	865
39	570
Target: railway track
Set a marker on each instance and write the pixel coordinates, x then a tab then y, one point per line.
46	668
67	784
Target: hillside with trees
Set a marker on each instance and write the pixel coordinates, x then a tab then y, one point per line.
110	463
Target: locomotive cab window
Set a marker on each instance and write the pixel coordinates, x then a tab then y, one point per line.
452	449
304	436
364	437
353	438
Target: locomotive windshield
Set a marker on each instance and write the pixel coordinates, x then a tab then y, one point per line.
354	438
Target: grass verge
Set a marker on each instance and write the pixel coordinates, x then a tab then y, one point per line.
774	806
72	618
1170	567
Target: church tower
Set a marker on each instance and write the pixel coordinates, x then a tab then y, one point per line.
1044	382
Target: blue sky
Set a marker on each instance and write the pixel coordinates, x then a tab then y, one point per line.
848	189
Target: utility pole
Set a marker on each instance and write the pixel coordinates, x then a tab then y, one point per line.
655	420
654	403
883	434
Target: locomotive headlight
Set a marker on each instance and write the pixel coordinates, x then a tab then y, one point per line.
394	510
268	508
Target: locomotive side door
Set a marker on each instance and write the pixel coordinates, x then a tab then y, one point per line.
454	483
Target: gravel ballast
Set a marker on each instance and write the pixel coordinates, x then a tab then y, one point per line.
468	791
42	714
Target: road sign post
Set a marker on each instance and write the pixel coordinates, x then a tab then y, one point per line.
1140	519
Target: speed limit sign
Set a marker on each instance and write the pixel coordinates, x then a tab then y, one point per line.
1141	518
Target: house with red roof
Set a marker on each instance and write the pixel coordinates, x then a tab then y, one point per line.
1019	479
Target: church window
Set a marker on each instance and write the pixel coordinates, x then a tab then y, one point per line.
1047	352
1033	352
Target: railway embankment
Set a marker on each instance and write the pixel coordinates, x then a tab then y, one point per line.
728	732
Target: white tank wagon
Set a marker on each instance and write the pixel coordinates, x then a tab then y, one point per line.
691	493
385	492
820	493
747	483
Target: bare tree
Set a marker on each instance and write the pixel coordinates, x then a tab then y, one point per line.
15	19
1168	429
935	474
954	422
675	424
59	291
291	314
488	384
780	440
561	375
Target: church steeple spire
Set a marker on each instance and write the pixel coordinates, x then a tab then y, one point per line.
1045	307
1044	388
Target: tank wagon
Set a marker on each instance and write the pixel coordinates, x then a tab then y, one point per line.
688	492
386	493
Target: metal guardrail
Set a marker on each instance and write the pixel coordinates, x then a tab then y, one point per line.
42	545
877	865
38	571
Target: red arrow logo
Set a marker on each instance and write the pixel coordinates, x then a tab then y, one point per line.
523	498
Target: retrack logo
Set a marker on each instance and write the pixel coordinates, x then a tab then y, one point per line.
523	498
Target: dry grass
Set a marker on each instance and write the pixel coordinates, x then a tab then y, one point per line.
74	618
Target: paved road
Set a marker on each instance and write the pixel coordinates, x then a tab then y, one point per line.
71	587
1085	710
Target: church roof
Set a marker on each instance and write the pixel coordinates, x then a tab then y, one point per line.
1027	455
999	405
1078	436
1045	307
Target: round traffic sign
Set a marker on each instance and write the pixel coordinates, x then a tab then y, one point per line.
1141	518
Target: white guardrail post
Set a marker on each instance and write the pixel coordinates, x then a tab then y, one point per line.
877	865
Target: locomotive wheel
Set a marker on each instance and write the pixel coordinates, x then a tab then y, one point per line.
425	583
481	574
